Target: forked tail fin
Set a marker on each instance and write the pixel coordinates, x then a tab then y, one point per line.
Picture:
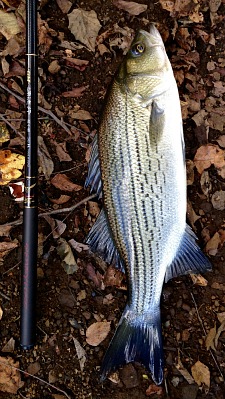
137	338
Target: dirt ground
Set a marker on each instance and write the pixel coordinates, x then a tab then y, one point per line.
67	304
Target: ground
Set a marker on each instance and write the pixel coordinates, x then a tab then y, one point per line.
67	304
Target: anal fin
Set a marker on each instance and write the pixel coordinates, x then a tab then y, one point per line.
189	258
94	173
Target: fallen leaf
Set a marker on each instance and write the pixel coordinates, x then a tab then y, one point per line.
75	92
10	380
4	133
61	227
219	331
198	279
76	63
154	390
54	67
5	230
61	200
10	166
44	159
199	118
6	247
218	200
97	332
205	182
52	377
208	155
61	152
81	115
85	26
9	346
66	299
221	141
62	182
64	5
218	286
209	341
213	244
65	252
9	26
130	6
184	372
78	246
81	354
34	368
201	374
114	277
192	216
93	208
221	317
97	278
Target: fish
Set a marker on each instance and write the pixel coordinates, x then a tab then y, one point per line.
137	166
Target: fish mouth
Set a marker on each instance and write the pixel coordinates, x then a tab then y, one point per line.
153	36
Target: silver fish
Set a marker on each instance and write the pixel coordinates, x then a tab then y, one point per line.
138	164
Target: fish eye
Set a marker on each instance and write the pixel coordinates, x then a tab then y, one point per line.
138	49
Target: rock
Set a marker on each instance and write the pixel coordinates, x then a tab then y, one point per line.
129	376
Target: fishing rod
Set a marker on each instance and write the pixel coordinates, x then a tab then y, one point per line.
30	212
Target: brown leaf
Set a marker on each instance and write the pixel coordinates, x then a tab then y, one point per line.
97	332
85	26
218	286
9	26
93	208
213	244
219	331
201	374
81	115
192	216
61	200
61	152
6	247
62	182
44	158
130	6
76	92
209	341
34	368
9	346
54	67
184	372
199	280
114	277
10	380
154	390
97	278
205	182
5	231
64	5
76	63
208	155
218	200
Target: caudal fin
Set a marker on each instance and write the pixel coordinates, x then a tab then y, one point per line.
137	338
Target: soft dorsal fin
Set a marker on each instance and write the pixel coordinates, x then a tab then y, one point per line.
100	240
189	258
94	174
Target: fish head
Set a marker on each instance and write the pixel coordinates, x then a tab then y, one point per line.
146	71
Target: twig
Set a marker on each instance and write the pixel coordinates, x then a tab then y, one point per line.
55	212
205	333
70	209
4	296
45	111
37	378
12	127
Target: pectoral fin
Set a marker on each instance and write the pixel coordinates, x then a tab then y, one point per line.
189	258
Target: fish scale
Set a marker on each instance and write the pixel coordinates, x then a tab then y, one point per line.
137	165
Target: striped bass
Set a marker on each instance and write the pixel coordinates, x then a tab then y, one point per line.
138	165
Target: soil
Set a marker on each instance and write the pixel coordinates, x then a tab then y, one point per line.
188	311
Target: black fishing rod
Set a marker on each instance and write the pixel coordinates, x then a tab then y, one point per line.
30	213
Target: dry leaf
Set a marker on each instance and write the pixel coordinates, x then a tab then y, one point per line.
9	346
62	182
97	278
9	26
10	166
208	155
76	63
114	277
44	159
93	208
81	354
221	317
154	390
64	5
61	200
65	252
62	152
219	331
5	230
221	141
218	286
54	67
81	115
10	380
213	244
85	26
184	372
130	6
34	368
76	92
4	133
218	200
201	374
198	279
209	341
78	246
205	182
192	217
6	247
97	332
